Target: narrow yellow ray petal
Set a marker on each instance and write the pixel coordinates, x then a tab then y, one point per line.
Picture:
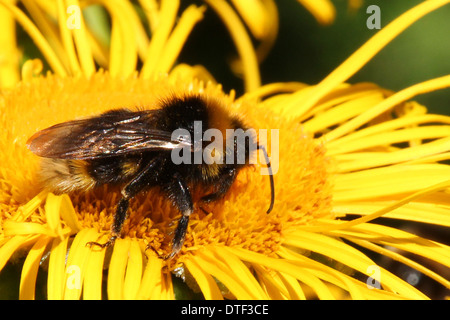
389	181
267	39
152	278
30	269
379	176
224	275
93	277
322	10
167	292
326	273
81	40
333	147
274	88
389	103
30	69
11	228
254	15
349	256
365	160
241	271
150	8
207	284
273	289
56	269
117	268
142	40
66	38
76	263
133	274
68	214
174	44
414	211
370	234
9	70
398	257
342	112
52	213
168	13
27	209
388	138
399	136
50	55
423	247
48	29
361	56
382	211
123	49
100	52
242	42
184	71
285	266
292	285
13	244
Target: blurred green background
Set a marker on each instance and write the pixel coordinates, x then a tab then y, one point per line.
306	51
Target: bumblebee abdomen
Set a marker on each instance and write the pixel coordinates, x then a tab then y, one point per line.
63	176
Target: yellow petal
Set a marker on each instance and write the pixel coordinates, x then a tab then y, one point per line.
241	271
66	38
242	42
427	211
56	269
69	215
224	275
388	104
81	40
93	277
349	256
134	271
168	13
9	69
287	267
38	38
322	10
207	284
30	269
123	48
364	160
77	262
151	284
360	57
117	268
7	248
388	181
255	16
175	43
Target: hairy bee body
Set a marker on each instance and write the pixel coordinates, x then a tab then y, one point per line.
133	149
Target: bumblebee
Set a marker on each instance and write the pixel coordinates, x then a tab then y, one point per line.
134	149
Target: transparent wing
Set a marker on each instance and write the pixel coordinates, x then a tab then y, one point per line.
113	133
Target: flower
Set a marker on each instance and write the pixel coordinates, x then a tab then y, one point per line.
344	150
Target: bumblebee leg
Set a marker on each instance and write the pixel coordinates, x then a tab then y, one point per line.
116	228
179	193
225	181
142	180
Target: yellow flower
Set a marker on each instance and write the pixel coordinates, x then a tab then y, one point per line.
344	150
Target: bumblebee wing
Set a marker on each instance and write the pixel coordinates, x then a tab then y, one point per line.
113	133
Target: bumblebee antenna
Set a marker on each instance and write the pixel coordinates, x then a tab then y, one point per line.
272	185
